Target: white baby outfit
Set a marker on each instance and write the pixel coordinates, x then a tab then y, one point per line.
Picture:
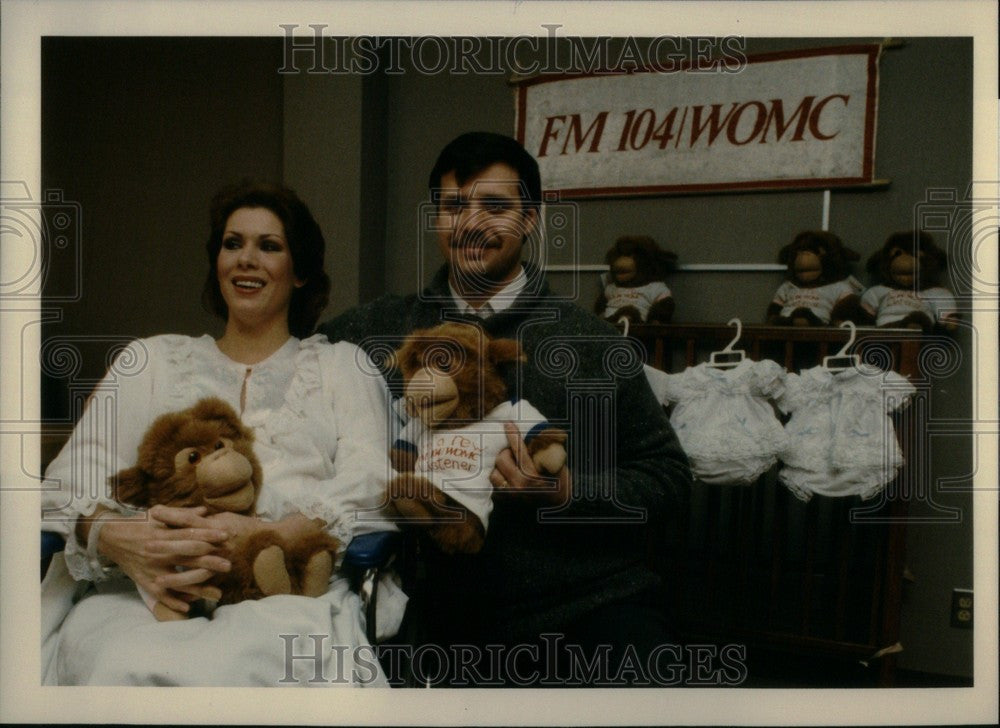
459	461
642	297
723	419
890	305
840	440
819	299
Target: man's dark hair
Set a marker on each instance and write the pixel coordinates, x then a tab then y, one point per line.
305	244
471	153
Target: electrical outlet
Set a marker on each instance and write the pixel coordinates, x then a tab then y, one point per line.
961	608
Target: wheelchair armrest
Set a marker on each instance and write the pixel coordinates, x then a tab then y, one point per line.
52	543
372	550
365	557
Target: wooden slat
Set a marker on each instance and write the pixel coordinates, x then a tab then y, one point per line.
809	568
659	358
845	551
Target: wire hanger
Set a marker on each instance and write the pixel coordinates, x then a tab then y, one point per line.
729	357
842	361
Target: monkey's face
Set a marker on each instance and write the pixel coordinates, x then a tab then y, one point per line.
624	270
431	394
808	266
902	267
221	473
450	373
202	456
913	272
440	371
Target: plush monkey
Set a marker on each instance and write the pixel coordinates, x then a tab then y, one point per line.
203	456
908	293
457	401
633	288
820	290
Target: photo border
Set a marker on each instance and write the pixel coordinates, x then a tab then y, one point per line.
22	699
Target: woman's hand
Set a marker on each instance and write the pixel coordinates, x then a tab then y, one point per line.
238	527
150	547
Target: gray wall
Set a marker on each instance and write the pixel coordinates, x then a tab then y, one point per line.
141	132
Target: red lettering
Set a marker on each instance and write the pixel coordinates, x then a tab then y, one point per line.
713	121
734	123
580	137
664	132
814	117
647	117
777	114
549	134
629	116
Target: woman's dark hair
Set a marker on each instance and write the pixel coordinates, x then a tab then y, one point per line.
471	153
305	244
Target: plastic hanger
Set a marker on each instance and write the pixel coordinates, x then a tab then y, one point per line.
842	361
729	357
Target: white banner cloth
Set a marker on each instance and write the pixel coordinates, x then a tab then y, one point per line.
791	119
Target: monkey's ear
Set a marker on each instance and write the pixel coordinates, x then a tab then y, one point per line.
129	487
937	254
503	350
787	254
213	408
850	255
875	262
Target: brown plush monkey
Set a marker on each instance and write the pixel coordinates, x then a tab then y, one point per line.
907	292
820	290
633	288
457	401
203	456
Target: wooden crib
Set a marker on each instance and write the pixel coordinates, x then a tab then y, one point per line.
813	581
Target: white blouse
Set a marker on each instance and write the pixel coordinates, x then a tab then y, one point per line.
317	411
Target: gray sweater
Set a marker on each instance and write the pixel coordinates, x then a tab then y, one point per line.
542	567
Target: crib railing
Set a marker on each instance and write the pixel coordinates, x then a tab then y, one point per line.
760	567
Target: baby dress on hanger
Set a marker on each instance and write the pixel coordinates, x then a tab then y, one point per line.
841	441
724	421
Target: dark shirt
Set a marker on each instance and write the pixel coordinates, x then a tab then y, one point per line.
544	566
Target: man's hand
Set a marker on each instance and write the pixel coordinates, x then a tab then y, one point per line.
515	476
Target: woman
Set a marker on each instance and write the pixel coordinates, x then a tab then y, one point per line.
309	404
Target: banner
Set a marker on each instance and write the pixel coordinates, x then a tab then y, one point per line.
783	120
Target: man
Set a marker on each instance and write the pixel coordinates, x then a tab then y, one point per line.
569	558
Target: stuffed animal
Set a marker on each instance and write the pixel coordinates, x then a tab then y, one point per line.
457	401
633	288
820	290
908	293
203	456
